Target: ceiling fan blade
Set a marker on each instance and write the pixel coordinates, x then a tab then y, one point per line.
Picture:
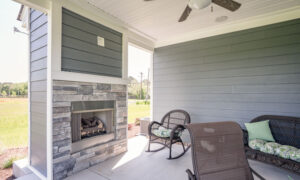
185	14
228	4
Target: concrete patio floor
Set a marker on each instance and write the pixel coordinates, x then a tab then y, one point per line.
137	164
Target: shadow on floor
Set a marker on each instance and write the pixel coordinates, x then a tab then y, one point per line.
137	164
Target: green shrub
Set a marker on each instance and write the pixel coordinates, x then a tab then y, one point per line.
9	163
146	102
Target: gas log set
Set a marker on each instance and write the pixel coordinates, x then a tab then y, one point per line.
91	127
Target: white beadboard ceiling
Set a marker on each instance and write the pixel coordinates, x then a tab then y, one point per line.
159	18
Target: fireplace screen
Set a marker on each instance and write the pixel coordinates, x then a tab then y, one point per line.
90	118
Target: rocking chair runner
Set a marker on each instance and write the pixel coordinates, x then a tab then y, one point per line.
168	131
218	152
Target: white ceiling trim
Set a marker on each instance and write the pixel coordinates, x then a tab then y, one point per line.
41	5
115	23
255	21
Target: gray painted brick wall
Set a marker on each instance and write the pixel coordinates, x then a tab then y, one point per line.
235	76
38	88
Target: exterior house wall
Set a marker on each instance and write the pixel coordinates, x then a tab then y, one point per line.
231	77
38	91
80	52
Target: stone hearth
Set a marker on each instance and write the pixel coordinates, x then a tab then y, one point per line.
67	161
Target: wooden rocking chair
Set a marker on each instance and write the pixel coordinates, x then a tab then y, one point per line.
168	131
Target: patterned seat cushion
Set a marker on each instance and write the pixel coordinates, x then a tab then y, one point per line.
162	132
257	144
295	155
270	147
283	151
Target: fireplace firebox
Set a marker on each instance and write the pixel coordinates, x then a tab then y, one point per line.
90	120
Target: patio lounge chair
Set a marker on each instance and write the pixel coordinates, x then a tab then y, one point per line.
218	152
168	131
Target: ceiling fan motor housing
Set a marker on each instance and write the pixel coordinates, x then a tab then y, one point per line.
199	4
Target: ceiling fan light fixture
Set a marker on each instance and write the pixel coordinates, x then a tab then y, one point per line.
199	4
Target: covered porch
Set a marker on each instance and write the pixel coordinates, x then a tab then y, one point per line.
217	64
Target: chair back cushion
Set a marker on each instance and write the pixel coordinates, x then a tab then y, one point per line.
174	118
285	129
218	151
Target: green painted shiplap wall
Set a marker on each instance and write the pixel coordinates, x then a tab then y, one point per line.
80	52
38	90
235	76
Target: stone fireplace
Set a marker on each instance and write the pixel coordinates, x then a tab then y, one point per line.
89	124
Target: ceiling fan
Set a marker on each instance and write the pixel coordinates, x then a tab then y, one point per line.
200	4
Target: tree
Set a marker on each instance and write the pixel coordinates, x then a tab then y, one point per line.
134	88
13	93
3	93
13	89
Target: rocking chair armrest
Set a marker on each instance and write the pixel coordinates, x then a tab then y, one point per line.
176	129
151	124
190	174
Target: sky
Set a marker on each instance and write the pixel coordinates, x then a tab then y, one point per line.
13	46
14	49
138	61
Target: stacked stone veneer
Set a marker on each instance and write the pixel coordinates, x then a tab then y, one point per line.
65	162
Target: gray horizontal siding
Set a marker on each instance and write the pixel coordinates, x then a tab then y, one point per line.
38	88
38	53
80	52
235	76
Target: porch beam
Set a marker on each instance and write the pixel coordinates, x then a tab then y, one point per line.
41	5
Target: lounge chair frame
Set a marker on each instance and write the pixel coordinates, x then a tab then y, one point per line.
218	153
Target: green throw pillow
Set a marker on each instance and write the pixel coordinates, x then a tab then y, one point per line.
259	130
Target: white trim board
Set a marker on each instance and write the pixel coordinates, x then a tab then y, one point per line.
52	53
29	89
151	88
41	5
248	23
73	76
36	172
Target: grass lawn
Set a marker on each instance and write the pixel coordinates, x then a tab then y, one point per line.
137	111
13	122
